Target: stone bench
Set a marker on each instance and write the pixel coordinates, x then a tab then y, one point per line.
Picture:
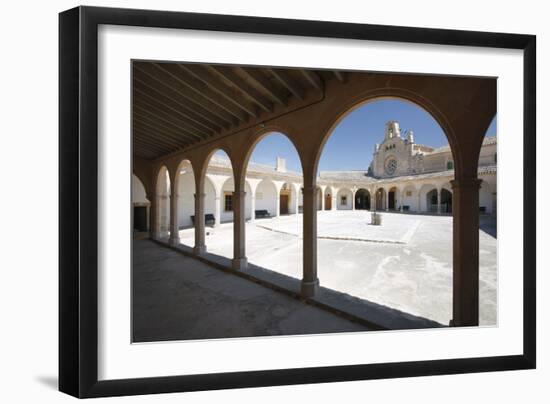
262	213
208	218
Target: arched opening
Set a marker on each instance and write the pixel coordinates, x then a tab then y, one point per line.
392	198
446	201
431	201
287	199
218	205
425	202
273	235
362	199
266	199
140	206
344	199
488	265
381	199
388	169
163	204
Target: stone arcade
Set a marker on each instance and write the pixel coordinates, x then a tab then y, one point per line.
183	114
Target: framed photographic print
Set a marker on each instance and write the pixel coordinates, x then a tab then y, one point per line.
251	201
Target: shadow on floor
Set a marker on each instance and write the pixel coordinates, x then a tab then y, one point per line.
178	296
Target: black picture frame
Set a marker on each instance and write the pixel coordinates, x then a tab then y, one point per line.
78	201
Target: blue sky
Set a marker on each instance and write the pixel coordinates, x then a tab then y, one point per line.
351	144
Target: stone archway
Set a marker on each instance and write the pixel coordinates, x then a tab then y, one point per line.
431	201
392	199
362	199
380	197
328	198
446	201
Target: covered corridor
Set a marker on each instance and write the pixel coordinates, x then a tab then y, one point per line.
242	104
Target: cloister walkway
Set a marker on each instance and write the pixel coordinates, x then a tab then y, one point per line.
181	298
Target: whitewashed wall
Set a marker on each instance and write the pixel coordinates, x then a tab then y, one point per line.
210	197
266	197
186	200
349	204
247	202
486	193
228	186
412	200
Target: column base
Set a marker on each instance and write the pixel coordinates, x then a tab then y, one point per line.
199	249
309	289
240	264
174	241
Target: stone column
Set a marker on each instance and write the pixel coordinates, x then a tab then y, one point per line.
322	200
401	200
253	207
419	206
278	205
310	282
239	238
353	192
438	201
154	217
465	252
334	203
218	209
200	245
174	219
164	205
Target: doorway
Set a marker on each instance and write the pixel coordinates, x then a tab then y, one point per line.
328	202
283	204
140	218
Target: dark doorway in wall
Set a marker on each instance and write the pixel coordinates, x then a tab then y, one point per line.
284	204
446	201
362	199
140	218
391	200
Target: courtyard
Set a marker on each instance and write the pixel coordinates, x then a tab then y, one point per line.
404	264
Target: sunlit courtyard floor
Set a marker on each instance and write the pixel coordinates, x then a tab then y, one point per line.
406	263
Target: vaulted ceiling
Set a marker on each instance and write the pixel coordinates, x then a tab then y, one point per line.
177	105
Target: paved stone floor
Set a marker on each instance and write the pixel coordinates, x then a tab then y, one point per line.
405	264
179	298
